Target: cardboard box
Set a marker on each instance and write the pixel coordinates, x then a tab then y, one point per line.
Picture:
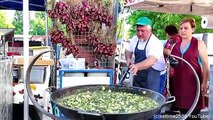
38	49
20	61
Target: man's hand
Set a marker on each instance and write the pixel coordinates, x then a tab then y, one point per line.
128	56
134	69
129	62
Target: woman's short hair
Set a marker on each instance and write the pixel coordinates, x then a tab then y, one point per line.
190	20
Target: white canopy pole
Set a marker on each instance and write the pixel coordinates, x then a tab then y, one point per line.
46	25
26	54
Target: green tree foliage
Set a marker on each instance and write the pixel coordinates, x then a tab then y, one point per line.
37	25
119	28
18	22
3	21
160	20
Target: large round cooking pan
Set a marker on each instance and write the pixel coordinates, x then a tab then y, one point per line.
77	114
82	115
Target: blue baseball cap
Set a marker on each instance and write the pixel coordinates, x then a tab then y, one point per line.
144	21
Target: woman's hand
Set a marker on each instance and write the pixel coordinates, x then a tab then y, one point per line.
166	51
203	89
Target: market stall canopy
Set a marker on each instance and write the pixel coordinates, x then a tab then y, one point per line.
195	7
34	5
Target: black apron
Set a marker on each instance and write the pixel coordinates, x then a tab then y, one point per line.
149	78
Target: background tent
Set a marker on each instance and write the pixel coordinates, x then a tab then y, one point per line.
195	7
34	5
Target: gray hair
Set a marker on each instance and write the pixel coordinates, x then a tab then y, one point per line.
149	27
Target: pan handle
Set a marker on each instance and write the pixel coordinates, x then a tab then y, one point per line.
29	91
123	77
91	113
169	100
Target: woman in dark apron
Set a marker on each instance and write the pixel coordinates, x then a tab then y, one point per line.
190	49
